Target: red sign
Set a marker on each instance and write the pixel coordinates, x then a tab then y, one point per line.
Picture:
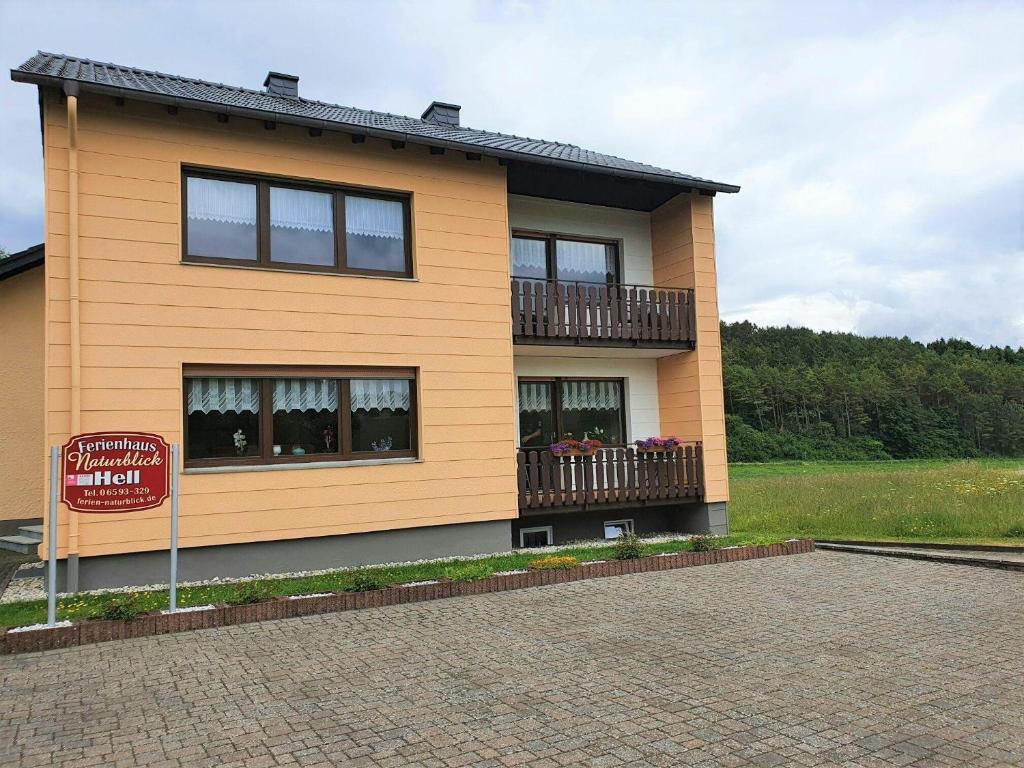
114	472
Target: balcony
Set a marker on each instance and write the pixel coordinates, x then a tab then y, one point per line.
557	312
613	477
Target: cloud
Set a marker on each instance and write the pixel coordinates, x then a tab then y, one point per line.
878	144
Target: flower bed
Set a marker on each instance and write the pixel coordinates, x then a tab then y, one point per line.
96	631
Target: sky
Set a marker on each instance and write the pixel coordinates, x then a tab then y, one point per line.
879	145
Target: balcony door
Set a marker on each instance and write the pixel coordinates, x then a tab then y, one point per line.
539	256
552	409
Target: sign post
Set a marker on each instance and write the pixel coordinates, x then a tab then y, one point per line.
51	541
173	598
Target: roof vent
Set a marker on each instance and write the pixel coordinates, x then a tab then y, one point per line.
278	84
441	113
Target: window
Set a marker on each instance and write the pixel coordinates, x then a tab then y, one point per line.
301	227
375	233
540	536
553	409
269	415
221	219
564	258
277	224
615	528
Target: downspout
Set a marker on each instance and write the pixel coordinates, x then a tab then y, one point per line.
71	91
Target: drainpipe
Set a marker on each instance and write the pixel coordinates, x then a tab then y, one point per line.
71	91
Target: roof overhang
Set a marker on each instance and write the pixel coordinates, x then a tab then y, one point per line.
22	261
576	169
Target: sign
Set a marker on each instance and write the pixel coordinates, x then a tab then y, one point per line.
114	472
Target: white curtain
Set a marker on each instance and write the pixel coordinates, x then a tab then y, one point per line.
382	394
584	259
590	395
374	218
534	397
305	395
229	201
528	256
223	395
301	209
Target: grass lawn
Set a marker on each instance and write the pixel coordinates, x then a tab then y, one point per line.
954	501
84	606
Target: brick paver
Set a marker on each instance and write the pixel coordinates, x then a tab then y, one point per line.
807	660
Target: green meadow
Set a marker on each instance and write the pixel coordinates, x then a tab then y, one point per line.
953	501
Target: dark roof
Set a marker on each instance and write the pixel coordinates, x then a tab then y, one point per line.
22	261
129	82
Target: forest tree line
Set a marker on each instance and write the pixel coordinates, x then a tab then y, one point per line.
793	393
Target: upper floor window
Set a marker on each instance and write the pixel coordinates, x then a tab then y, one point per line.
279	224
564	258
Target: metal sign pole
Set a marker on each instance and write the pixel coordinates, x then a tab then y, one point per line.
51	538
173	604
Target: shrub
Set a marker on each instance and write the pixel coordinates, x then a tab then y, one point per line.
704	542
628	547
467	572
121	607
1015	532
367	581
553	562
251	592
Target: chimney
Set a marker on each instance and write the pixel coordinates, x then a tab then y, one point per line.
441	113
278	84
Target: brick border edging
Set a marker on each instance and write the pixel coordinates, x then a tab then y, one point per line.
952	559
97	631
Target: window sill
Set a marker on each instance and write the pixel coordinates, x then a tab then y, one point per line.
328	273
300	465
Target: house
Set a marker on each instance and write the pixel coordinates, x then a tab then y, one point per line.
365	330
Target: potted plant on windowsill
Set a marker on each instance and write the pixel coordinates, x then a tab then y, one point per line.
570	447
658	445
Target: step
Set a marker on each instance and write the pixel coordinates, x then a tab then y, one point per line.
32	531
23	544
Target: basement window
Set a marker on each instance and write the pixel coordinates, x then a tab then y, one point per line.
615	528
540	536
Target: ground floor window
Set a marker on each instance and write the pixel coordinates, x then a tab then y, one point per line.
615	528
541	536
552	409
277	415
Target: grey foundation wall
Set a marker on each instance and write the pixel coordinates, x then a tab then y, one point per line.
579	526
236	560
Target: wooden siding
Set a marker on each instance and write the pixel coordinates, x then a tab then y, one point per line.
144	314
22	453
690	383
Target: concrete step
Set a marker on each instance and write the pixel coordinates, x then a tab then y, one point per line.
31	532
23	544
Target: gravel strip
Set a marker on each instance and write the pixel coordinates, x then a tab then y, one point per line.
31	587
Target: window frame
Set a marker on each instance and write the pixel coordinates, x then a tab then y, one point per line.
263	259
551	238
556	405
266	374
548	529
628	524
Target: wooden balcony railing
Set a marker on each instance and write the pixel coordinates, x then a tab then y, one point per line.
612	477
597	314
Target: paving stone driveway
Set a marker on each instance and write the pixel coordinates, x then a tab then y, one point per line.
819	659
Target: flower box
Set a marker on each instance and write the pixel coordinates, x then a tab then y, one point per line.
659	445
585	448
